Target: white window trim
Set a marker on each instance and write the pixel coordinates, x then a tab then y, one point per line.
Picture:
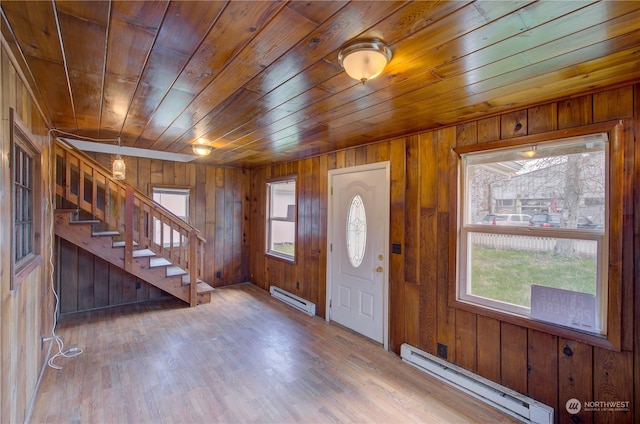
270	219
612	246
571	234
162	189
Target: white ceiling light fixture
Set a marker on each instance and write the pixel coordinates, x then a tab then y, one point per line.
364	60
201	149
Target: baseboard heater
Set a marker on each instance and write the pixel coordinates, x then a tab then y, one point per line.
293	300
513	403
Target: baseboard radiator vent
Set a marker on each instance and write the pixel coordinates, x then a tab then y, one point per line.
291	299
508	401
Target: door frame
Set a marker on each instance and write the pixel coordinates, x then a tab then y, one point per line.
386	166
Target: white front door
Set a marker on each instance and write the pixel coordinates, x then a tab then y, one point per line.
357	265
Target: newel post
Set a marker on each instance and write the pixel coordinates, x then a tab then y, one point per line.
193	267
128	228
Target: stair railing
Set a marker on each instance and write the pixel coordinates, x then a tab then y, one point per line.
88	186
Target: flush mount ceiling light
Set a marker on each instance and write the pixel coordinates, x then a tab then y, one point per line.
364	60
201	149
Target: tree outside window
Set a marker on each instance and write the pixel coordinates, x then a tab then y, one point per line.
551	267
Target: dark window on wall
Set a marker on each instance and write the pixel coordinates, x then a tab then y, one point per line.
26	198
23	204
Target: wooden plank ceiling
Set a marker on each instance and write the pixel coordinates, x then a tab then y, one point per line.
261	83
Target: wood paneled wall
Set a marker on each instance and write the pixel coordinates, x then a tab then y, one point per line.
26	312
219	204
526	360
89	282
230	209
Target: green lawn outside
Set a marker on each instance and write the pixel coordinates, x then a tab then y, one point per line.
286	248
507	275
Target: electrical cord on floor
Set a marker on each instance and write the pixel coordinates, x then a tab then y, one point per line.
73	351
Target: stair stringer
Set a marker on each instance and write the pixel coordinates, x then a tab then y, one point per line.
82	236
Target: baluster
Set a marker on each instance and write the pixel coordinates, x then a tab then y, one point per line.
128	229
192	268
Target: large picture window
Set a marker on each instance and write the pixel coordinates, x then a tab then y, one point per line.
533	238
281	218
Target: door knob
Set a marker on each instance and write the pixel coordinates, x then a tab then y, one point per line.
379	269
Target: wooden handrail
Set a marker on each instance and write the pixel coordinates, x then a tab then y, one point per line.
85	159
89	187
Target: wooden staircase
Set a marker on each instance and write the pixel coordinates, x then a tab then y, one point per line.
113	220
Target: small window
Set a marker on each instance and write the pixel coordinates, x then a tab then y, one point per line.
176	200
356	236
281	219
23	203
552	268
26	199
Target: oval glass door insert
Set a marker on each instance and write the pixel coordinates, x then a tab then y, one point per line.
356	231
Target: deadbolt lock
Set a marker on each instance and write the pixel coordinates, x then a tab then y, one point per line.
380	257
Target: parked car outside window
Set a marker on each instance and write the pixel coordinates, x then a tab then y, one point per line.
584	222
547	220
514	219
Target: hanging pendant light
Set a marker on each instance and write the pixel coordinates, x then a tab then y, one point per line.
364	60
119	168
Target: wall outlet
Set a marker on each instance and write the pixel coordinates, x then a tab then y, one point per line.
218	274
442	351
297	285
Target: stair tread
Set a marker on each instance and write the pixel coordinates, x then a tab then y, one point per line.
120	243
105	233
186	279
175	270
204	287
159	261
84	221
142	253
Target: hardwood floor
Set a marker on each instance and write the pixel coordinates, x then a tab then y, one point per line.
244	357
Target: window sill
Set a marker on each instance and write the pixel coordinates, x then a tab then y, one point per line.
284	258
24	269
